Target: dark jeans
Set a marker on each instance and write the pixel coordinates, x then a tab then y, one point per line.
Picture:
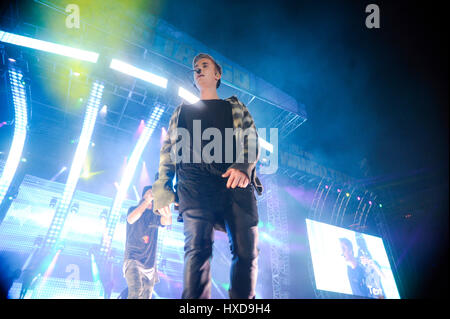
241	220
140	286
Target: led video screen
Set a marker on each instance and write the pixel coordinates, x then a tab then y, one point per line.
348	262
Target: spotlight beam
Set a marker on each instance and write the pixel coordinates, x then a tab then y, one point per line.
59	173
136	193
50	268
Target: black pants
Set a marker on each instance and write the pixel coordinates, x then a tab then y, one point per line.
241	219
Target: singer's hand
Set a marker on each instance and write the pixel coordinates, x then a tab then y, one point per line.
236	178
148	196
166	215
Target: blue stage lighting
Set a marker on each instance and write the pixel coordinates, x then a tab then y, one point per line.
48	47
128	174
188	96
20	130
77	164
138	73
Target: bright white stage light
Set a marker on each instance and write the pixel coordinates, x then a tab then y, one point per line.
266	237
63	169
20	130
77	164
173	242
266	145
136	193
138	73
104	110
48	47
128	174
188	96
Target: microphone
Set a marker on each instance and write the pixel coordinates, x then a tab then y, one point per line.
198	70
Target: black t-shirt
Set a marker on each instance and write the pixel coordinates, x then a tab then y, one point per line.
142	238
200	184
212	114
357	280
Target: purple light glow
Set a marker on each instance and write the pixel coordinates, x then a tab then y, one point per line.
300	194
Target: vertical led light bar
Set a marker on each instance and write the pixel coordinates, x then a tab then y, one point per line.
127	176
20	129
77	164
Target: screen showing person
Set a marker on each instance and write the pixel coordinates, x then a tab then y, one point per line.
345	261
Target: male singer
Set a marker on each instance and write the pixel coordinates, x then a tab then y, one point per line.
217	194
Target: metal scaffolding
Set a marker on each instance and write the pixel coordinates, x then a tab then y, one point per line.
279	252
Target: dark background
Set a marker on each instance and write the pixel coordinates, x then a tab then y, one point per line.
374	94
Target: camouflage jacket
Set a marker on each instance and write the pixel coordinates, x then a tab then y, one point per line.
163	192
